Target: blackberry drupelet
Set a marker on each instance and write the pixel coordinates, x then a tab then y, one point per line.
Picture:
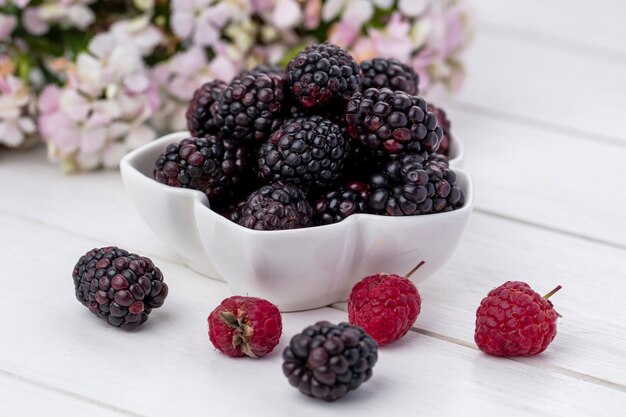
120	287
392	122
218	167
444	123
251	108
391	74
276	206
411	185
323	77
326	361
233	211
200	120
309	152
336	205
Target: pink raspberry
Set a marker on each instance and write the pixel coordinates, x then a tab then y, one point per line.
385	305
245	326
514	320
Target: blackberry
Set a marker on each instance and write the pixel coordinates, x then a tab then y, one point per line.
326	361
323	77
251	108
218	167
276	206
391	74
233	211
336	205
309	152
444	123
199	114
120	287
392	122
411	185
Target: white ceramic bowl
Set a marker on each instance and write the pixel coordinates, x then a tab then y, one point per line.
295	269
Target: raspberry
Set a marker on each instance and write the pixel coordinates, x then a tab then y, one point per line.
514	320
120	287
385	305
326	361
245	326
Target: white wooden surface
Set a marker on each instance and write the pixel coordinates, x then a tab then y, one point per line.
542	118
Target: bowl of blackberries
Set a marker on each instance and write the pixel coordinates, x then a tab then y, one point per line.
293	183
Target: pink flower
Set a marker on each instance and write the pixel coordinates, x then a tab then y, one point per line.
16	124
287	13
19	3
261	6
34	22
312	13
7	24
457	32
138	31
413	8
343	33
392	42
421	63
199	20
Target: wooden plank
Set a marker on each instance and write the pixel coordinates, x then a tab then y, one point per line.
544	177
169	365
553	88
19	398
590	27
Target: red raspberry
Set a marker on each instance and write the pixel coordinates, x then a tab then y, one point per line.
513	320
245	326
385	305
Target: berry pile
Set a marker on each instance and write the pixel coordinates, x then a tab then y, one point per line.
315	143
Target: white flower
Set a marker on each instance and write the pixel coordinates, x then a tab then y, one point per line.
414	8
287	13
179	77
19	3
200	20
103	111
15	122
138	31
68	13
355	12
109	63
